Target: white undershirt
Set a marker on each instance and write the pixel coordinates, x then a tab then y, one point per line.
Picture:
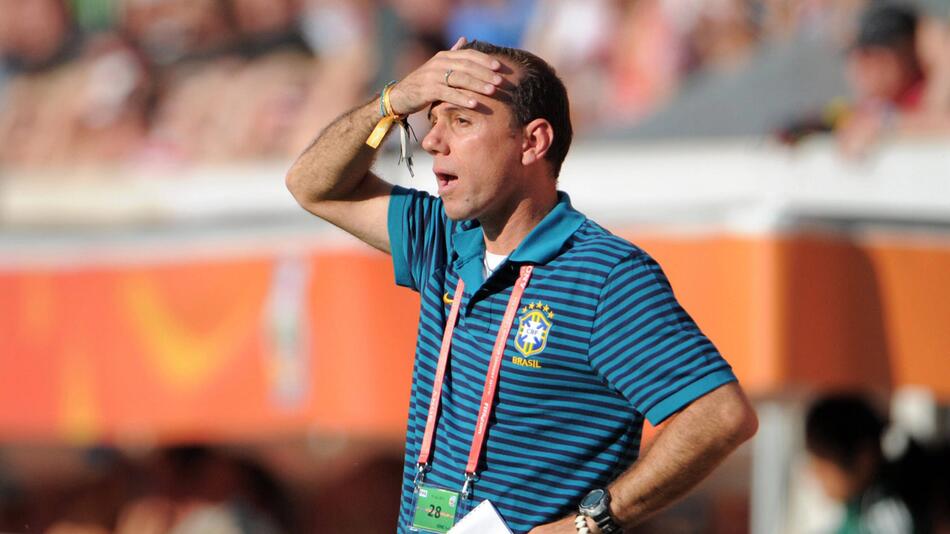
491	263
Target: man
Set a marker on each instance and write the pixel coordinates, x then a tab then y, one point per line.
600	341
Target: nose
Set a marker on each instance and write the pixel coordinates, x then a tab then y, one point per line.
434	141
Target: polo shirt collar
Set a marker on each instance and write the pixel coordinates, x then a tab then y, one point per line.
540	245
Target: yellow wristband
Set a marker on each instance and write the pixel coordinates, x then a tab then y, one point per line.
380	131
386	103
386	122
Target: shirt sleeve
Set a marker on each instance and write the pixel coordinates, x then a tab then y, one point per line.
418	235
647	347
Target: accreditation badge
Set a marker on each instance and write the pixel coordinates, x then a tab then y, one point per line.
435	509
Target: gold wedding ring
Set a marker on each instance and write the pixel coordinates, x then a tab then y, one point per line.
447	74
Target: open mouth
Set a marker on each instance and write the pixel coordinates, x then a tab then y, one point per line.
445	179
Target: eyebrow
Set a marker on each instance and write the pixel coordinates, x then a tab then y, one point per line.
448	107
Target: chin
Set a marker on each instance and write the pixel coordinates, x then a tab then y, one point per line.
457	213
458	217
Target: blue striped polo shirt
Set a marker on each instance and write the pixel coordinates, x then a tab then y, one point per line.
599	343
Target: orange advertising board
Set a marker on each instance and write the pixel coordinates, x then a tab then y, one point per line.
205	349
240	347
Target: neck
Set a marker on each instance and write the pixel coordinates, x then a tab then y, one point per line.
503	233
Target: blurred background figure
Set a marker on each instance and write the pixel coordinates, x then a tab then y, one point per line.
186	489
35	35
886	73
896	70
884	65
172	30
196	489
843	436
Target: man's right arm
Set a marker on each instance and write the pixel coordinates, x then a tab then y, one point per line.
332	180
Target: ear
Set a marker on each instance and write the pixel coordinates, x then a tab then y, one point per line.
538	136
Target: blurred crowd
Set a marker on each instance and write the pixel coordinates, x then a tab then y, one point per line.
876	473
175	80
172	81
181	490
198	489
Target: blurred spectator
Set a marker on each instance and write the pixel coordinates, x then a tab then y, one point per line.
843	436
342	35
575	37
231	108
622	61
884	72
36	34
110	107
182	125
899	72
91	109
651	58
883	64
723	35
269	98
196	490
170	30
267	25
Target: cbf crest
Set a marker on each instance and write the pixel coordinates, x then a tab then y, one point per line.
534	325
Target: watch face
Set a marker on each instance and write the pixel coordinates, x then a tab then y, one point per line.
592	498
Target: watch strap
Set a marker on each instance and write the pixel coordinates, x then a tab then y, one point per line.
607	524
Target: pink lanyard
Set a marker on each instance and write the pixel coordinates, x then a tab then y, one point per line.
491	379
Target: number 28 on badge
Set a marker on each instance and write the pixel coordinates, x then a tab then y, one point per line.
434	510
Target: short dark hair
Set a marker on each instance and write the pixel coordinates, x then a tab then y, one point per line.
888	25
539	94
840	426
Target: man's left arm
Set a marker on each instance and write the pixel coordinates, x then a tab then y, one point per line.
692	443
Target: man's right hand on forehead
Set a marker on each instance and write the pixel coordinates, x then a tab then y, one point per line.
452	76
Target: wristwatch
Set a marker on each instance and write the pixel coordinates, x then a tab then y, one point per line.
596	505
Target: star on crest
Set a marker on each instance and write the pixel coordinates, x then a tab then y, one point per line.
540	306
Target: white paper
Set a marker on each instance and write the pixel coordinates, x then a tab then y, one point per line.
484	519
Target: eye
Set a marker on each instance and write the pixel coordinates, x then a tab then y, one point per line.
462	121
